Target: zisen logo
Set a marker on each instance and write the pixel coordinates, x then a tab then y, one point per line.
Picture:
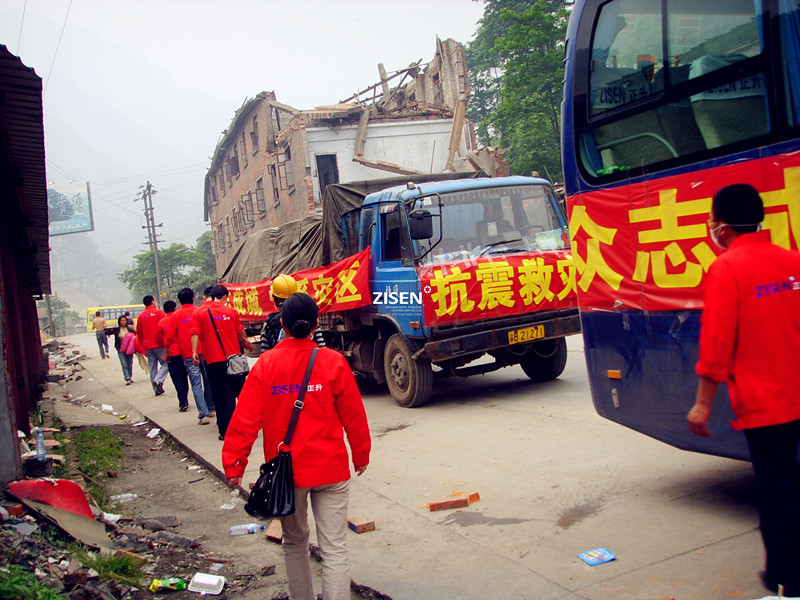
396	298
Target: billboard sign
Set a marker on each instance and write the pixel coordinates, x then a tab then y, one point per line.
69	208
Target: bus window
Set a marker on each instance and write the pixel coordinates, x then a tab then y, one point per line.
639	118
790	44
627	43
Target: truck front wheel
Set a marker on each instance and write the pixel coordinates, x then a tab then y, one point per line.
545	360
409	380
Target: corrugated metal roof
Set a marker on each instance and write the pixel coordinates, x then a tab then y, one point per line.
21	125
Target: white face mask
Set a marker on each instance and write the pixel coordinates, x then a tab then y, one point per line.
715	236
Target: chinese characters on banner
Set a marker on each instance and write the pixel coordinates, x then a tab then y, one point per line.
646	245
496	287
340	286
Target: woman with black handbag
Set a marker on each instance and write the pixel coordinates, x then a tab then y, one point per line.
331	406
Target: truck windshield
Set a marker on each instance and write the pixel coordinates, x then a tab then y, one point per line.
497	220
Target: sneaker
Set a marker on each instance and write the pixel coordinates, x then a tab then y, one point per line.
211	414
221	436
159	389
203	421
184	408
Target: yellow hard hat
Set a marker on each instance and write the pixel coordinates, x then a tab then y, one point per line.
283	286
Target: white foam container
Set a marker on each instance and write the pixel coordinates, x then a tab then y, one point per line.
206	584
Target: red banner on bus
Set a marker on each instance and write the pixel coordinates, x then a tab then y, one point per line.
495	287
646	245
340	286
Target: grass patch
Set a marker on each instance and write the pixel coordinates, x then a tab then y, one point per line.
18	584
98	452
123	568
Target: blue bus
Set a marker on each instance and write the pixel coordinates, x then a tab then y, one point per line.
666	101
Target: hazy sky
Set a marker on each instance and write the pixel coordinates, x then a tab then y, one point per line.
141	90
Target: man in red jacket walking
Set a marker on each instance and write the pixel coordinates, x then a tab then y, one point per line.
750	340
181	334
147	333
177	372
217	327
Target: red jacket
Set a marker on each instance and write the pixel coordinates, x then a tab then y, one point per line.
228	326
750	332
181	331
333	406
163	338
147	327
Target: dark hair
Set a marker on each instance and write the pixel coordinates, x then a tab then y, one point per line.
97	313
169	306
739	206
123	317
186	296
219	291
148	300
208	290
299	314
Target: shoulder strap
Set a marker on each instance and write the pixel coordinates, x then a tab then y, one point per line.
211	316
298	404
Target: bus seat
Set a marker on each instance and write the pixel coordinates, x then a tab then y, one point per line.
677	119
634	141
732	112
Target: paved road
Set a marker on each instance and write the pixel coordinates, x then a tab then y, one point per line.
554	480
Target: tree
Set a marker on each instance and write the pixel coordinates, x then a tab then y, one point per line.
180	267
518	53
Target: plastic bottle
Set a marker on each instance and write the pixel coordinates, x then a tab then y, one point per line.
40	451
122	498
249	528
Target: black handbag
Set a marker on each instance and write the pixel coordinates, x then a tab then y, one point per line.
237	366
273	494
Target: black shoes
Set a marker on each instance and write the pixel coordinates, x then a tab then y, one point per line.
184	408
159	389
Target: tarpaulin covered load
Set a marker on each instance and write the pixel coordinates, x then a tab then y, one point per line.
291	247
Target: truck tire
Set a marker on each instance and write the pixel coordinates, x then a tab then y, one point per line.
409	380
545	360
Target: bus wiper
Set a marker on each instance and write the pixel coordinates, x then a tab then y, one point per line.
488	247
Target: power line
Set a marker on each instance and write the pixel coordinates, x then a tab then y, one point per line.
21	23
63	27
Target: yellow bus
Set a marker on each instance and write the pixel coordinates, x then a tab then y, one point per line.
111	314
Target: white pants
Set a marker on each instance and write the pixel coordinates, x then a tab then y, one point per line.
329	503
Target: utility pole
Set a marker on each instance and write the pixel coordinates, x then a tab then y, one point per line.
147	198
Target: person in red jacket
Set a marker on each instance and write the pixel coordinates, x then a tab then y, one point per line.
217	328
750	340
147	333
332	406
177	372
181	334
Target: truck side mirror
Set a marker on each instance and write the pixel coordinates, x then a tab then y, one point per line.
420	224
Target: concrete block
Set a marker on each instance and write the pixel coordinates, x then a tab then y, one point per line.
361	523
449	502
275	531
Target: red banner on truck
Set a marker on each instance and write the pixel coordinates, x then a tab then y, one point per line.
490	287
340	286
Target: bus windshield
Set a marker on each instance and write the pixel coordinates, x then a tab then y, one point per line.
496	221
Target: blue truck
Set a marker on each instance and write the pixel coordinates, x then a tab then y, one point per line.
459	270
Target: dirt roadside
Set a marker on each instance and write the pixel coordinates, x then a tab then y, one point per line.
181	517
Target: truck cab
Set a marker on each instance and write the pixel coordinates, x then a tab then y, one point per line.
458	270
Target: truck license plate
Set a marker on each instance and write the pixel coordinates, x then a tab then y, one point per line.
528	334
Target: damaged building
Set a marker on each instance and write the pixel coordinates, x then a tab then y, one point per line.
274	161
